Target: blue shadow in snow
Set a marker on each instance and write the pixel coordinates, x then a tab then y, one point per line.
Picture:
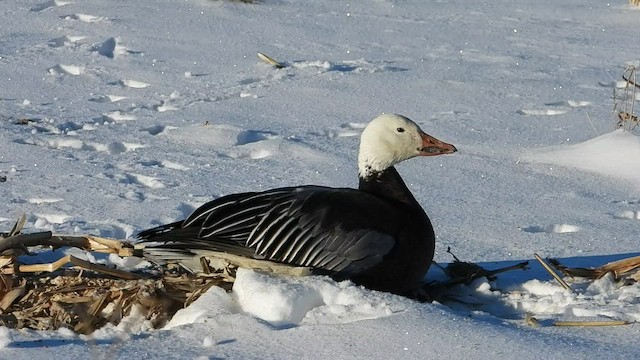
49	343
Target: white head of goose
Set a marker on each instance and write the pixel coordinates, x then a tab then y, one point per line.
377	236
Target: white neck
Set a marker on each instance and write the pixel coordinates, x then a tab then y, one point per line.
373	160
382	146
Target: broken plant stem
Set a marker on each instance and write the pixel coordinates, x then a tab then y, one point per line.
592	126
17	227
271	61
482	273
46	238
553	273
22	241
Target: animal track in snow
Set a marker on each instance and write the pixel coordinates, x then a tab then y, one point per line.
168	103
133	195
173	165
570	103
158	129
134	84
48	4
214	135
627	95
551	229
260	154
187	208
117	116
47	221
115	229
251	139
228	141
165	164
62	41
346	130
620	84
249	81
627	202
449	113
627	215
115	147
244	94
83	17
559	108
542	112
112	49
40	201
189	74
303	69
61	69
68	127
354	125
107	98
351	66
144	180
118	147
165	106
251	136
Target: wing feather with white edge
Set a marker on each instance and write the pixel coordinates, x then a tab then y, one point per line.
336	230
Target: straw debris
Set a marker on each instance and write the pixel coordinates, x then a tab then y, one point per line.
83	296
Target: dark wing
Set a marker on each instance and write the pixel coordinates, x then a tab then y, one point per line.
337	230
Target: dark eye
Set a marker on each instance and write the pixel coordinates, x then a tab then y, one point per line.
400	129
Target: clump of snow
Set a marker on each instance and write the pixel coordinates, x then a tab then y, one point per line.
604	285
134	323
208	342
283	300
5	337
541	298
274	299
543	288
66	333
213	303
127	263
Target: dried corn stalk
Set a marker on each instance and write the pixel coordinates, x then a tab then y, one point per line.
83	296
87	301
625	268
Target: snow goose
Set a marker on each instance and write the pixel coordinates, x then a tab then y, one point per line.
378	235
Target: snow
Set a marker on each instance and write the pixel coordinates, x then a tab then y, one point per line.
5	337
118	116
609	154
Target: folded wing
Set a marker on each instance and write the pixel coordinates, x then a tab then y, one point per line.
340	231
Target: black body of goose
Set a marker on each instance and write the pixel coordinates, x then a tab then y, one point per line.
378	235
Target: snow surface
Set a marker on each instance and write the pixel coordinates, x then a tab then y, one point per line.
103	106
